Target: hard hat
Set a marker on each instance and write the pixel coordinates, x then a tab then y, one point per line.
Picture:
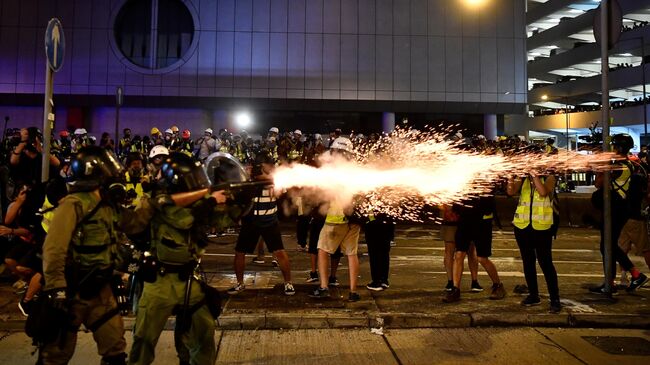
169	130
174	129
208	130
186	133
80	131
64	134
298	132
133	156
158	150
343	144
154	130
274	130
623	141
318	137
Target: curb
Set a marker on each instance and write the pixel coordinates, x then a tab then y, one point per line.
275	320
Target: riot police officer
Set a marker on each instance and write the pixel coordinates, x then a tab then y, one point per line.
179	228
79	255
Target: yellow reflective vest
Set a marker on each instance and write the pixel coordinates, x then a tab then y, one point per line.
335	215
622	183
533	208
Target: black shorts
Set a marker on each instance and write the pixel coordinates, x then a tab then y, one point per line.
479	233
18	250
249	235
314	232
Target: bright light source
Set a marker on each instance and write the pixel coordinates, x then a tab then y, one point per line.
544	97
475	3
243	120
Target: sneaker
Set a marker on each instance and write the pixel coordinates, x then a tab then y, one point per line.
313	277
302	248
520	289
476	287
237	289
258	260
555	306
452	296
498	291
531	300
275	263
393	244
19	284
25	307
374	286
354	297
601	289
638	282
385	285
288	289
331	281
450	285
320	293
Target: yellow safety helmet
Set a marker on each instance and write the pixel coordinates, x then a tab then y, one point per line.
154	130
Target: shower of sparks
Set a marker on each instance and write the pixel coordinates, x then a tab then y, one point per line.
402	173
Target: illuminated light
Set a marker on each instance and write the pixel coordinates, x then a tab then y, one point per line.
544	97
475	3
243	120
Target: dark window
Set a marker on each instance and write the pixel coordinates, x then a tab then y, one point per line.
154	33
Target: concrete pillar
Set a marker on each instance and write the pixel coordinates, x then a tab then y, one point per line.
387	122
490	126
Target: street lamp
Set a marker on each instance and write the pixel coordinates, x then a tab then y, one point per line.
475	3
545	97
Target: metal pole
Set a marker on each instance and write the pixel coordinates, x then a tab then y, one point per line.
645	103
117	120
607	214
48	120
566	106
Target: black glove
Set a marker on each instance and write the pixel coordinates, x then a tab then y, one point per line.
59	301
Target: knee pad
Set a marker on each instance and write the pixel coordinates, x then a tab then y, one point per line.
114	360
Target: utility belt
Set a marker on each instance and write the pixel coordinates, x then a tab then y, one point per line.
184	271
150	268
87	282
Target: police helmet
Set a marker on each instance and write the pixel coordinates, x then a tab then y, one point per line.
623	142
94	167
180	173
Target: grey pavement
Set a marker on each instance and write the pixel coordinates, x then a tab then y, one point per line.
394	346
414	299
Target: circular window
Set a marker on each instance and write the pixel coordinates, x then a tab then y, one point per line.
154	35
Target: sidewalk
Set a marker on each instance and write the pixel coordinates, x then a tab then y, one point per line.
399	308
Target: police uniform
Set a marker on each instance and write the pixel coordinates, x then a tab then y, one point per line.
177	251
79	254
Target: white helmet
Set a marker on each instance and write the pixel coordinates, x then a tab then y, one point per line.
298	132
343	144
209	130
169	130
158	150
274	130
80	131
318	137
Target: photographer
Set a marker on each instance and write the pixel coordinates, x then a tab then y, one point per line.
26	158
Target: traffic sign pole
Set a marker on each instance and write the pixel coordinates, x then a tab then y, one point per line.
54	52
48	121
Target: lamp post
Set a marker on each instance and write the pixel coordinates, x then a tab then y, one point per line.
566	116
